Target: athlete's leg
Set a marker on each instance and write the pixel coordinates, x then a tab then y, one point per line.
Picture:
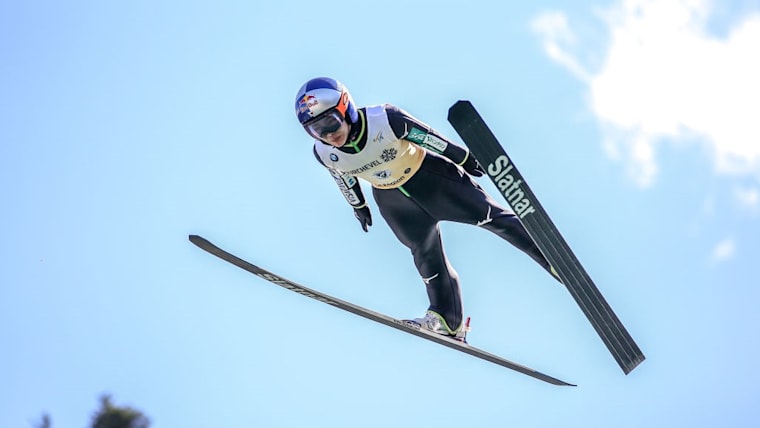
419	232
448	193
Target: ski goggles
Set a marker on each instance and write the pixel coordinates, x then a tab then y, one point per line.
327	123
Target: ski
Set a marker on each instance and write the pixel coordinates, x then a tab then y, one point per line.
371	315
512	185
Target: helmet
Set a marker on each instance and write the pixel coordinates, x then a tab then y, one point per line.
323	104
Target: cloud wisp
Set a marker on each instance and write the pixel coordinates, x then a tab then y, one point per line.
723	251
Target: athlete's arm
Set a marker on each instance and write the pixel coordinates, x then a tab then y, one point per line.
352	191
348	185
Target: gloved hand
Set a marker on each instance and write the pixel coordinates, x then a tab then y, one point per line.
364	216
472	166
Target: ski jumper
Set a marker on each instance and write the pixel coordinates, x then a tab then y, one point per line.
417	181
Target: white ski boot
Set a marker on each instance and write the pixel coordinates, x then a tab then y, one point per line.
434	322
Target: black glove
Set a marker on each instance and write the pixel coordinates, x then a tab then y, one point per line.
472	166
364	216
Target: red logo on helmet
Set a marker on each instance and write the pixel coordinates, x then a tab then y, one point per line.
307	103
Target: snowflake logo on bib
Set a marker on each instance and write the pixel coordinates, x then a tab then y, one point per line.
388	155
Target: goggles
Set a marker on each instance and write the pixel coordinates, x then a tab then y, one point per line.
327	123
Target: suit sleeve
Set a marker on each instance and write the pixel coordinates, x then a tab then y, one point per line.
408	127
348	185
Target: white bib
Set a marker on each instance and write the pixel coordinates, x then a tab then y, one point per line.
385	161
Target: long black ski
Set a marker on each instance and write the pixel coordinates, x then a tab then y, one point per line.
366	313
504	174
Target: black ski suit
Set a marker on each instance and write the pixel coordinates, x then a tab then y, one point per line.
418	180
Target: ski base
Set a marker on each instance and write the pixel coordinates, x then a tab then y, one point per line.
504	174
404	326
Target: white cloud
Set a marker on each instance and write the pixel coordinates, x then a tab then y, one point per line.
725	250
665	78
748	197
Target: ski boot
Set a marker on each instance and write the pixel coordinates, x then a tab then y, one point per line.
434	322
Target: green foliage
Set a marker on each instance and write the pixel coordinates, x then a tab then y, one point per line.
111	416
108	416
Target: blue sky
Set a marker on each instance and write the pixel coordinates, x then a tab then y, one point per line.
126	127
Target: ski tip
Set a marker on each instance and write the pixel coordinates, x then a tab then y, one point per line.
459	105
462	113
197	239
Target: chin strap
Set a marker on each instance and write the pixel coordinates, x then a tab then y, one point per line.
357	132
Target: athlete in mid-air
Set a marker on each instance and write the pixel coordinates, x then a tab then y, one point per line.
418	179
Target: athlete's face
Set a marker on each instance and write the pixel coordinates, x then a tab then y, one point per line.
337	138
